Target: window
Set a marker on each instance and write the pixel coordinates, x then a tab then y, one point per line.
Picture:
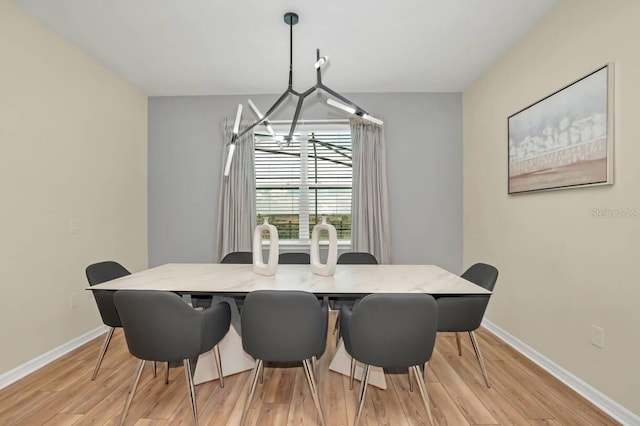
298	183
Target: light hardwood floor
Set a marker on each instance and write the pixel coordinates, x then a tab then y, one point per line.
522	393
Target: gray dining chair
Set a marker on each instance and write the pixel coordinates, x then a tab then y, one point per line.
391	331
161	326
284	326
294	259
349	258
237	257
464	313
99	273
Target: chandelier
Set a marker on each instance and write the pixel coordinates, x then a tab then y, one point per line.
342	103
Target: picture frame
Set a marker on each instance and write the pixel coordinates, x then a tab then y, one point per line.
564	140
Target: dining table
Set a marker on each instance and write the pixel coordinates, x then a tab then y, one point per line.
227	282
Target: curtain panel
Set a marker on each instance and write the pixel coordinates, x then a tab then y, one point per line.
370	231
237	202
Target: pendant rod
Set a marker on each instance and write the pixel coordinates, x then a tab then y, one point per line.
291	55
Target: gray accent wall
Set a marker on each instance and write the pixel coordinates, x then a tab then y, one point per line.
424	167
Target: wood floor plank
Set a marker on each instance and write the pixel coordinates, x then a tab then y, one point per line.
556	403
24	414
169	400
109	409
63	419
517	394
548	422
75	388
559	390
23	391
298	413
149	390
227	407
278	394
444	407
522	393
412	410
334	402
350	398
472	408
386	409
152	422
496	403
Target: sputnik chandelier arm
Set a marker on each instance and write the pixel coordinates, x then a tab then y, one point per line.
345	104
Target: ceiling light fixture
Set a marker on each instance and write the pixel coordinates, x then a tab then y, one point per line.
291	19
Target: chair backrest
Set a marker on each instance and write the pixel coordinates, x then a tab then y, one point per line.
160	326
283	326
393	330
482	274
102	272
357	258
465	313
99	273
238	257
294	258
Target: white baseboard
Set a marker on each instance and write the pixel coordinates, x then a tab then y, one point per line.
593	395
29	367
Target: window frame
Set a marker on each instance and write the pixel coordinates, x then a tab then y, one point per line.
303	132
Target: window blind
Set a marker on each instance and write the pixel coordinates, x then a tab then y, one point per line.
298	183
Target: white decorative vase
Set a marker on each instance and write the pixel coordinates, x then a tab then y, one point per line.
328	268
259	267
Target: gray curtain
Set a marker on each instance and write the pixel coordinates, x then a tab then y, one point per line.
370	230
237	204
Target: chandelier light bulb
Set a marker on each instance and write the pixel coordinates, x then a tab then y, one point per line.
255	109
339	105
236	125
269	128
227	166
279	139
261	117
321	62
372	119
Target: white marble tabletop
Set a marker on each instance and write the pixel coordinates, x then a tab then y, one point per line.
348	279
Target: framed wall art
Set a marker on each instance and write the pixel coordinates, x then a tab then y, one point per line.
566	139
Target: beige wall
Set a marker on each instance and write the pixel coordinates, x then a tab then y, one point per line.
561	269
73	146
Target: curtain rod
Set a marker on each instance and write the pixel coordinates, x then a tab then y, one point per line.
301	121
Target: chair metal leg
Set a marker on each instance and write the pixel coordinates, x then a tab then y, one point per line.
352	372
313	386
166	375
363	394
314	363
155	370
476	348
103	350
336	326
252	390
423	391
410	381
134	385
458	342
192	390
262	374
216	355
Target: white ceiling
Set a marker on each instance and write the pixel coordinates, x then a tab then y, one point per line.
198	47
